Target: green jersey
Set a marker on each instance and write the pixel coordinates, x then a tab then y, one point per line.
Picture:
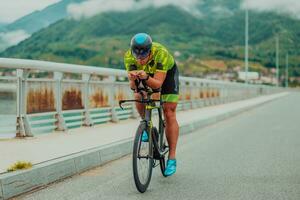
161	60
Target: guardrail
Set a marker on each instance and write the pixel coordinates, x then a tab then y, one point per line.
52	96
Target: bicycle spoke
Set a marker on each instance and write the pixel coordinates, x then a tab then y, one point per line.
143	161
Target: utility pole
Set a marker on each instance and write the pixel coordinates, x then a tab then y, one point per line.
246	44
277	60
287	71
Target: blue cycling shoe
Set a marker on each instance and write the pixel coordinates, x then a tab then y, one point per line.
171	167
145	137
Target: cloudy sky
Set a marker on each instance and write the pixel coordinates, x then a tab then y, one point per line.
11	10
92	7
291	7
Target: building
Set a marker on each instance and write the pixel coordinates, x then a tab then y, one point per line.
251	76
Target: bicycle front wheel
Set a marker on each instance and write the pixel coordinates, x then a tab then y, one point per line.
142	160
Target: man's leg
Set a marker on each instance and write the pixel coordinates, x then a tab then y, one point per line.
140	107
172	128
141	110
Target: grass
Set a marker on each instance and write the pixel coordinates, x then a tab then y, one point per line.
19	165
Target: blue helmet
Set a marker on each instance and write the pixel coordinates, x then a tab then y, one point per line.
141	45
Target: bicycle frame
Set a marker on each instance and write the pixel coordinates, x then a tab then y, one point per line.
148	117
156	143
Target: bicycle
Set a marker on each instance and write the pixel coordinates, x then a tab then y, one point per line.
156	147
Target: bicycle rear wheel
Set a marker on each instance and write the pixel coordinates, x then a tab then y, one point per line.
142	160
162	145
162	161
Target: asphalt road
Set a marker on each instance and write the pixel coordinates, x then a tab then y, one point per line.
254	155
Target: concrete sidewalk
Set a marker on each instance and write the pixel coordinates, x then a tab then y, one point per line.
62	154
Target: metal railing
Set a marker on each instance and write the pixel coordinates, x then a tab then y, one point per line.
48	96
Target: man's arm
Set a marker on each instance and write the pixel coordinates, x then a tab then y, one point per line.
132	77
154	82
132	85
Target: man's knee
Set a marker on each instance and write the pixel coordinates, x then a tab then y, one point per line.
170	110
137	96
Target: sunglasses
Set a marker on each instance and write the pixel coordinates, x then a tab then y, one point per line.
140	53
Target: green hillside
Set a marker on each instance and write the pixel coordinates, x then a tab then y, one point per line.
40	19
103	39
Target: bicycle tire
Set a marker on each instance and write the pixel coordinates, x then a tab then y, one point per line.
162	160
141	185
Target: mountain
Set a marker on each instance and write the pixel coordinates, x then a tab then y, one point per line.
2	25
40	19
218	34
13	33
107	35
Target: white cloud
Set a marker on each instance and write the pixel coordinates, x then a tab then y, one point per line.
10	10
291	7
92	7
222	10
14	37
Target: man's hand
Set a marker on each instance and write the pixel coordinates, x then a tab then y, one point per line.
142	74
132	75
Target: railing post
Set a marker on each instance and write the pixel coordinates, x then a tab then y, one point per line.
201	93
112	100
228	93
196	92
61	124
212	93
207	99
224	93
184	92
220	90
217	93
193	90
23	126
190	92
231	93
87	117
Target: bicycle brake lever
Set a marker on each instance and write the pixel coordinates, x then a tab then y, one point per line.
120	104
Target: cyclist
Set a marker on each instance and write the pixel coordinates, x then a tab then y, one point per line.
153	63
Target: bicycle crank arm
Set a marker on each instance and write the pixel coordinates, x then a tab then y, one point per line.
164	152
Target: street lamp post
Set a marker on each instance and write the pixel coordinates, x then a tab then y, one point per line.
277	60
287	71
246	44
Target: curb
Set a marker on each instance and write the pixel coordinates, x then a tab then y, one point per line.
42	174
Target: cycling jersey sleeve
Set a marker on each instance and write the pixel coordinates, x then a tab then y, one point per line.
162	61
129	62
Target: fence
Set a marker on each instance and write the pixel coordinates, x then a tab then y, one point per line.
39	97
